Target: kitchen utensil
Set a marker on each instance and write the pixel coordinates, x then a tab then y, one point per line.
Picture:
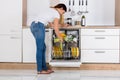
77	23
82	2
82	6
69	10
79	12
73	12
86	6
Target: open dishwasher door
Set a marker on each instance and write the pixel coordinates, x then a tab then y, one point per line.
66	53
65	64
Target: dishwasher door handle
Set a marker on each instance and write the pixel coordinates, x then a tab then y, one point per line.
46	30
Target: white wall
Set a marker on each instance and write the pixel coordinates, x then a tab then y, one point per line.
53	2
34	8
10	15
101	12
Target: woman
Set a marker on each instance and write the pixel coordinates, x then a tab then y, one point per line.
38	30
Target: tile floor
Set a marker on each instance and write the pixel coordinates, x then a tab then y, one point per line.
60	75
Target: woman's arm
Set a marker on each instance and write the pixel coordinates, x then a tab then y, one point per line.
56	28
64	25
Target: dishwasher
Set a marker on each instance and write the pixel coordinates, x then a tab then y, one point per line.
66	53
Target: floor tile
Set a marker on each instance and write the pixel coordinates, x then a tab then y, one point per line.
60	75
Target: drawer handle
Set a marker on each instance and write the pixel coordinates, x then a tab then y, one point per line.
99	37
15	37
99	51
99	30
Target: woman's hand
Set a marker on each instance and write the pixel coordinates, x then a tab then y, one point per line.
61	39
50	24
66	25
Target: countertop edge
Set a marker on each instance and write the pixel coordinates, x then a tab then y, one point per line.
83	27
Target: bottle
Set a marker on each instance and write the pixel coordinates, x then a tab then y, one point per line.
83	21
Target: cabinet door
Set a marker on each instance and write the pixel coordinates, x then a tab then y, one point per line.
10	15
100	56
10	48
29	46
100	42
48	42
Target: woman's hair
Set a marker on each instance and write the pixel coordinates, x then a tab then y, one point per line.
61	6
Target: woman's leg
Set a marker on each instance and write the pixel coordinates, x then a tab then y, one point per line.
44	58
39	37
44	67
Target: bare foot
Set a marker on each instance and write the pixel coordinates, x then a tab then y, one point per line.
50	71
43	72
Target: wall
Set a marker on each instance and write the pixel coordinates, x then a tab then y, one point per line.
34	8
101	12
53	2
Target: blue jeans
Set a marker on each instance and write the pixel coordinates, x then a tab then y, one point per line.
38	31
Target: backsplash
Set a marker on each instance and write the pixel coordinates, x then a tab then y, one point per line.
100	12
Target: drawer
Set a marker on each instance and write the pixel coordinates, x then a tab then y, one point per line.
100	32
100	42
100	56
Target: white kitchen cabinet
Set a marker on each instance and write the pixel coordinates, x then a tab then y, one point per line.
100	56
100	45
100	42
10	48
48	42
10	16
10	30
29	45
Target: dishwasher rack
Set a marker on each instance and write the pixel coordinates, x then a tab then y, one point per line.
69	49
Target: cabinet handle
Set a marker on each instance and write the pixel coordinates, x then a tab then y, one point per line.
99	30
99	37
15	30
14	37
99	51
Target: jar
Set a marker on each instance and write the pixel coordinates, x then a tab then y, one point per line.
69	21
77	23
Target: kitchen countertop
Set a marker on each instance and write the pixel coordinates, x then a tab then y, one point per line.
84	27
91	27
101	27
